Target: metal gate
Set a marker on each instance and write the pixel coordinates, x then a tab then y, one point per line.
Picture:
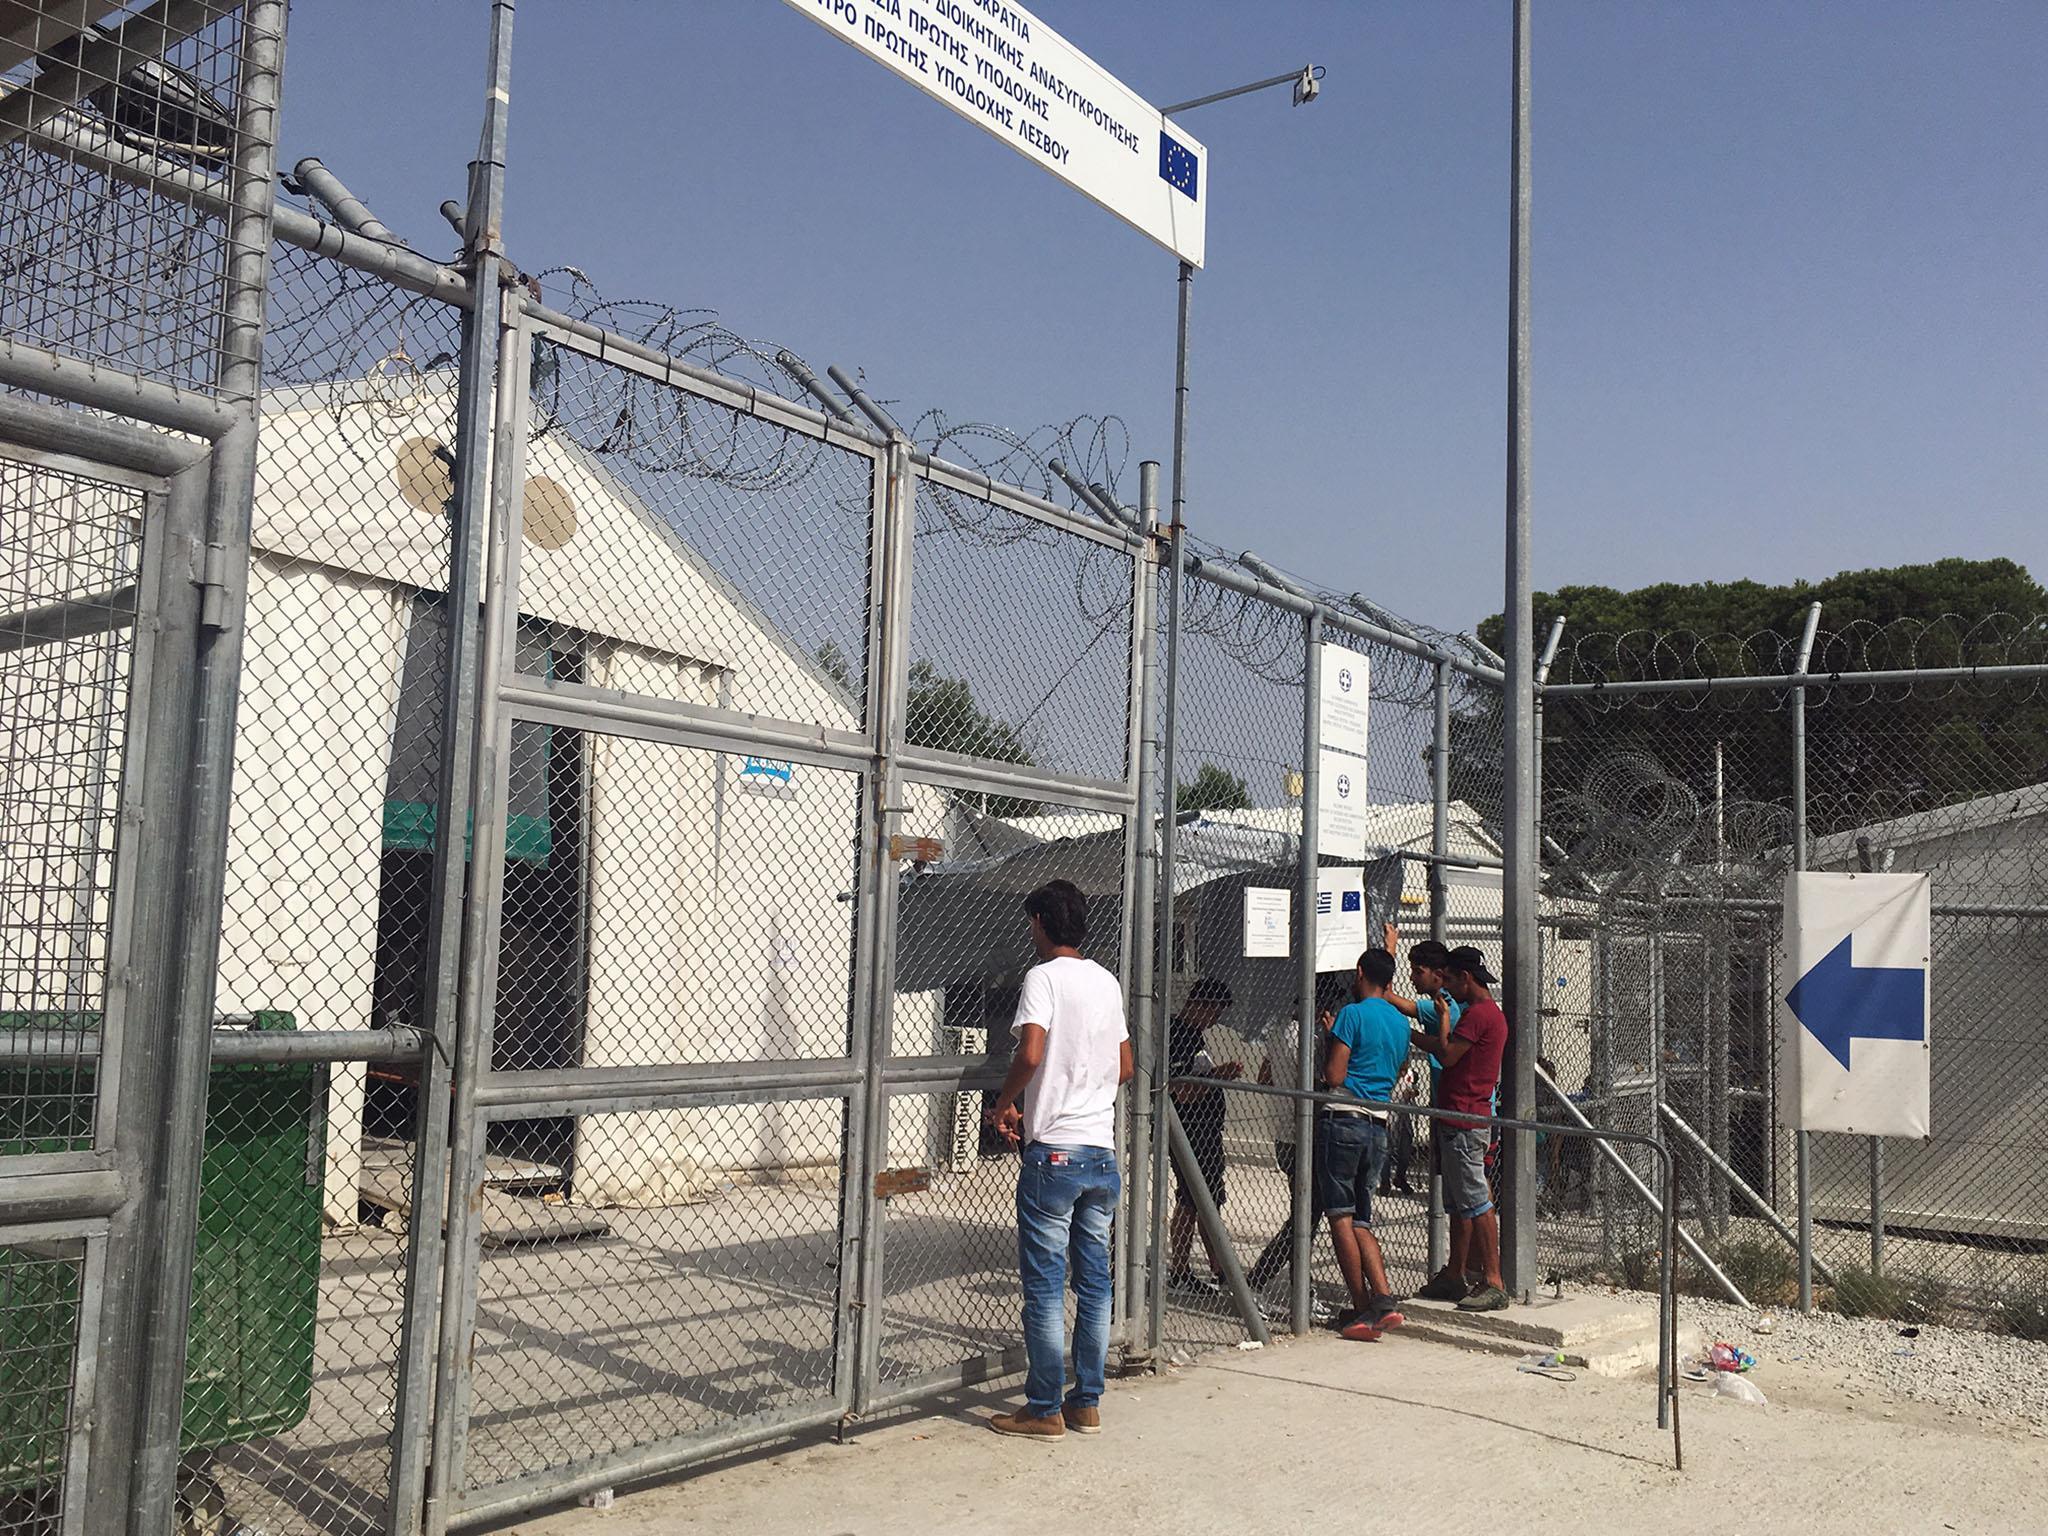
743	1006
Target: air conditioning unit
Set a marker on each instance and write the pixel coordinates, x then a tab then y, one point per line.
963	1146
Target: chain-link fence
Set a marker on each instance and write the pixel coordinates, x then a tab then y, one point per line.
516	839
1674	800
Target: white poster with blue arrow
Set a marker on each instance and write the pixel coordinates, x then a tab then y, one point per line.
1853	1017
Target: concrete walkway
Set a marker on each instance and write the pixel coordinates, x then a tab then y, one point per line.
1331	1437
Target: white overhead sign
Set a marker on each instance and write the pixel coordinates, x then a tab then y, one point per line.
1853	1015
1340	918
1346	679
1266	912
1003	69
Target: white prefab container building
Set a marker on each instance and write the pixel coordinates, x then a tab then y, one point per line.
679	906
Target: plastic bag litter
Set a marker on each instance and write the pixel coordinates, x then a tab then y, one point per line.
1743	1390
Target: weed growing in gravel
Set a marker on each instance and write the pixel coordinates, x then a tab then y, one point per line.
1763	1269
1903	1298
2024	1313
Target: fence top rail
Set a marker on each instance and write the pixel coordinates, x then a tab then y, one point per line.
1247	585
610	346
2017	671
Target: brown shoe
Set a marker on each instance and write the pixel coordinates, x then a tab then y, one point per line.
1025	1427
1082	1421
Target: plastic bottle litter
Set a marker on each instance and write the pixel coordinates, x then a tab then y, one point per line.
1728	1384
1726	1357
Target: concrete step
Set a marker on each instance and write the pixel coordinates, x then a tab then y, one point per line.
1602	1335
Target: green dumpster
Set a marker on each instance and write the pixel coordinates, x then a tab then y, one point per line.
256	1277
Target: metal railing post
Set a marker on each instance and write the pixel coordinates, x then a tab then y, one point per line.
1740	1185
869	1148
185	1036
1801	845
1876	1205
428	1434
1210	1220
1169	798
1300	1301
1149	825
1521	996
1664	1202
1439	929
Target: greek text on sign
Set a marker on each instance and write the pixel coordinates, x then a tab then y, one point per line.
1006	71
1340	918
1853	1015
1346	693
1266	913
1340	806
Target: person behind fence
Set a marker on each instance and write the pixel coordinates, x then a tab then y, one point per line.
1469	1053
1058	1105
1201	1111
1282	1068
1368	1048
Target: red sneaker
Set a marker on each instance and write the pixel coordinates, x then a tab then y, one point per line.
1364	1331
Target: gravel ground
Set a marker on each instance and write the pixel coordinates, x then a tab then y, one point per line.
1969	1374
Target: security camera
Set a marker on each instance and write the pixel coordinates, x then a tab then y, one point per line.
1308	85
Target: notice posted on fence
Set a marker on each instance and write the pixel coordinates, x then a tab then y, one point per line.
1008	73
1266	912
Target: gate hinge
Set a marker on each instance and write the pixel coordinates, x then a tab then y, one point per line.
213	587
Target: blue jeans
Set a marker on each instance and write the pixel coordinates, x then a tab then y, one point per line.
1066	1198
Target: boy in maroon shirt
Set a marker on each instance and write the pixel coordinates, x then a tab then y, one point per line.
1470	1054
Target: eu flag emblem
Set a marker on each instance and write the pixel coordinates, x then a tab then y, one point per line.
1354	901
1178	167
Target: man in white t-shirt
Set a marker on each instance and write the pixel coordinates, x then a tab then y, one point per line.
1058	1106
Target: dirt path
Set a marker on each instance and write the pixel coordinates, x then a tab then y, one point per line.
1326	1436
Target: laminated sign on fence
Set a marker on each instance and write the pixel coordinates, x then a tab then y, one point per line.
1345	688
1853	1017
1007	72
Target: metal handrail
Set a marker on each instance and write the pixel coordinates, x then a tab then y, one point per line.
1667	1314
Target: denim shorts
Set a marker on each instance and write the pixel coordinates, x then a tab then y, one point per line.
1466	1194
1350	1152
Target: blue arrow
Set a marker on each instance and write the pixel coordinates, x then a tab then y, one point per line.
1838	1000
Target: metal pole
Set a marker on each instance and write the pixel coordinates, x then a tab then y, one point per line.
231	489
1301	1299
1210	1220
1169	799
1150	826
1803	1150
1876	1205
889	686
444	1129
1439	927
1740	1185
1521	971
1635	1181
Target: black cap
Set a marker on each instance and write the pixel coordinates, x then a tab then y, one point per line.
1467	960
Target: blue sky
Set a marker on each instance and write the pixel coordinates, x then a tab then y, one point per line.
1790	261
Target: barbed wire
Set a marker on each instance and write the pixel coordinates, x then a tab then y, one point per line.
1952	641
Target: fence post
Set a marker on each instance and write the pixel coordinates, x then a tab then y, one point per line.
427	1437
1142	875
1803	1142
184	1038
888	687
1876	1205
1439	929
1169	796
1303	1217
1518	853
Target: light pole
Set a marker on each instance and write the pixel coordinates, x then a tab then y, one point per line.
1307	86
